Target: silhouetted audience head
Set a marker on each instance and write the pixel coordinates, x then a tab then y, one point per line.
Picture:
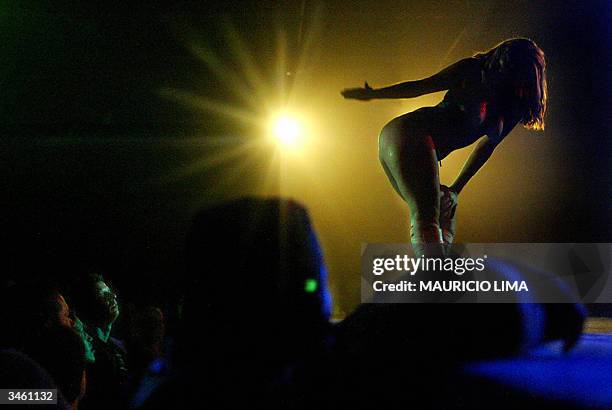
258	290
31	308
94	300
145	337
149	329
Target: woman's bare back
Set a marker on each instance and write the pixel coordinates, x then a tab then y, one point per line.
468	111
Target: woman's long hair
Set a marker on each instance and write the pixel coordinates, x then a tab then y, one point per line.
518	65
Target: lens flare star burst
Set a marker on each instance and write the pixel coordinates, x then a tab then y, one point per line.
287	131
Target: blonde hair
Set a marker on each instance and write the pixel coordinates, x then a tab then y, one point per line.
519	65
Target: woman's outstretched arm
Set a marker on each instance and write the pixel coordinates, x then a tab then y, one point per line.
449	77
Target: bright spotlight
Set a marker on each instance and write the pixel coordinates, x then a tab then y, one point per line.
287	130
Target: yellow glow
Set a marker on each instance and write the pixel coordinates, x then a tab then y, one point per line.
287	130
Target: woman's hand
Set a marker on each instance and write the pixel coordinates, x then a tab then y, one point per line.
448	206
364	94
448	202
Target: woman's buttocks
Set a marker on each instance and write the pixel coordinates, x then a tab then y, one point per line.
408	128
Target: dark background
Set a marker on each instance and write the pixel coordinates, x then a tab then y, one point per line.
102	170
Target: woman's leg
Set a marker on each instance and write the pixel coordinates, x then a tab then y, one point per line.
409	159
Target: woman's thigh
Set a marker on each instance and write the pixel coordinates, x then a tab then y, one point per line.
408	156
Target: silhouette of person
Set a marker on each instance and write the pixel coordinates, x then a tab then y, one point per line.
28	309
488	95
37	320
145	338
61	352
257	306
97	307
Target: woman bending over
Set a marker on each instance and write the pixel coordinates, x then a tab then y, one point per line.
488	95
